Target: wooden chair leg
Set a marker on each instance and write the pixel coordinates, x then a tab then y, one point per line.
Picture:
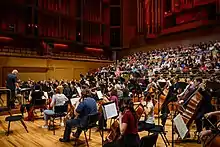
87	143
22	122
76	142
90	134
53	126
9	123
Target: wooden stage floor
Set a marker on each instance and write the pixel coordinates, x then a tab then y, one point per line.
38	137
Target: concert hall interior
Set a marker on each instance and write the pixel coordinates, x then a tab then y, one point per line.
111	73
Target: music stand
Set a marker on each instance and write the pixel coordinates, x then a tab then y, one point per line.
109	111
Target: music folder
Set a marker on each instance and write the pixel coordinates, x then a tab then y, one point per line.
109	110
74	101
79	91
45	96
99	94
180	125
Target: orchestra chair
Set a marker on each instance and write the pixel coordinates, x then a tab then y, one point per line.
91	123
59	111
13	118
39	104
149	141
160	130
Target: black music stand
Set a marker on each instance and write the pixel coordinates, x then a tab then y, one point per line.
109	111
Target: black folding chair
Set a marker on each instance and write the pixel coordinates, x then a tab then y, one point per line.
91	123
149	141
159	129
13	119
59	111
39	104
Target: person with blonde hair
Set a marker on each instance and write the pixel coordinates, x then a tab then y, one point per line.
11	84
58	99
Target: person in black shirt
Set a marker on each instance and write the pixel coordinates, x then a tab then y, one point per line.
10	84
36	94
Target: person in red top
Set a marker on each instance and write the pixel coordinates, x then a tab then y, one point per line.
128	124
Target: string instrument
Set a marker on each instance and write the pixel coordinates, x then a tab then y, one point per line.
189	112
160	101
101	102
71	109
212	140
139	111
114	133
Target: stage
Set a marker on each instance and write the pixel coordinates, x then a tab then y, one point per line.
43	138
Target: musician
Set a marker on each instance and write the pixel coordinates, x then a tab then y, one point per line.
128	127
67	90
86	106
58	99
34	95
187	91
151	84
10	84
149	113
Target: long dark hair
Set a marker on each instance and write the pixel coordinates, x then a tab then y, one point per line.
130	105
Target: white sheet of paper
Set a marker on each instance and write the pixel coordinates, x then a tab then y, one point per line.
45	96
74	101
180	125
110	111
78	90
100	95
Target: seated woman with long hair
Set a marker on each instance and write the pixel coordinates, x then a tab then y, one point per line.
128	127
149	113
58	99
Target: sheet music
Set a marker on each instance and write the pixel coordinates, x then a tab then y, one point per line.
45	96
25	89
74	101
110	110
79	91
100	95
180	125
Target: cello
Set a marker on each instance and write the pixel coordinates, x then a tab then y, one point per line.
212	140
114	133
161	99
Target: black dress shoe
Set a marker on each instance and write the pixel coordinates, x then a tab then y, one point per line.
63	140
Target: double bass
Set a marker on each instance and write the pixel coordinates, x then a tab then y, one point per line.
189	112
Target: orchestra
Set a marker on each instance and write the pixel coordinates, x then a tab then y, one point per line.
154	90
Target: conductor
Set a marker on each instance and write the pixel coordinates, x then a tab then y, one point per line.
10	84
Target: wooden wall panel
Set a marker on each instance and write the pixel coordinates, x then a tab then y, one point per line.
40	69
31	75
